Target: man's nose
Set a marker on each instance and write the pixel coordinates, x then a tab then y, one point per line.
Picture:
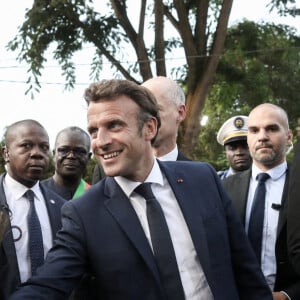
102	139
262	135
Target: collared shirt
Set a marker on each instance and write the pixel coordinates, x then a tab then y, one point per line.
226	173
19	207
192	276
274	190
171	156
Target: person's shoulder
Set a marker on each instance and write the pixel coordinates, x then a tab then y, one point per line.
244	175
189	165
49	194
47	182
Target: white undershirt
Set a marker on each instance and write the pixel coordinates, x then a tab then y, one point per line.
274	190
193	279
19	207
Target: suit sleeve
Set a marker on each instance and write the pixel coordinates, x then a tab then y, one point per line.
293	217
64	266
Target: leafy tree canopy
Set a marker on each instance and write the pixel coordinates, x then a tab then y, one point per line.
194	28
261	63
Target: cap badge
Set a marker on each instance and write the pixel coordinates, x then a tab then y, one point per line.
238	123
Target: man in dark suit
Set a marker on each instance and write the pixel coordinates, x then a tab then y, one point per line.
26	155
172	110
269	139
112	231
293	223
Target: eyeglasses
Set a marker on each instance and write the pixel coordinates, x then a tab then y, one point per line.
65	151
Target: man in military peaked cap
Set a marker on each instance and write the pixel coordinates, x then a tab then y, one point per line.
233	136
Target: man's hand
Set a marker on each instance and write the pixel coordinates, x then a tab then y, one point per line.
279	296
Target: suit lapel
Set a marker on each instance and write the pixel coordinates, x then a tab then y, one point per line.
191	213
53	210
283	211
122	211
8	242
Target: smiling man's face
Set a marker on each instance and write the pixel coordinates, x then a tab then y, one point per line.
118	142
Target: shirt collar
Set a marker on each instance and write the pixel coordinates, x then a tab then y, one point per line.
275	173
128	186
170	156
16	190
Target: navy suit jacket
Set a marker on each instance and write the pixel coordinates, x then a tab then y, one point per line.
286	278
9	270
102	234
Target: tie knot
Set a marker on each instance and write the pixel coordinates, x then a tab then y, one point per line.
262	177
29	194
145	190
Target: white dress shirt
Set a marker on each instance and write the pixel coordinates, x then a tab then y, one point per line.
19	207
192	277
274	190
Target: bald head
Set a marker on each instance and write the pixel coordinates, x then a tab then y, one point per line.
171	102
269	136
167	88
265	108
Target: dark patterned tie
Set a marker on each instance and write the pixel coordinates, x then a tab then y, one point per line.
256	222
36	248
162	245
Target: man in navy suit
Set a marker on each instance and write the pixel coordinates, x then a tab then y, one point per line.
269	139
108	232
26	156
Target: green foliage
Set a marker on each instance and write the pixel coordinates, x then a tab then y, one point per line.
285	7
261	63
90	170
68	25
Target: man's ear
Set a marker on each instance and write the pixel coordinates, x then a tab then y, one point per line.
181	113
5	154
150	128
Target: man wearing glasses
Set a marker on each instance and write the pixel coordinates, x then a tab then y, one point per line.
71	155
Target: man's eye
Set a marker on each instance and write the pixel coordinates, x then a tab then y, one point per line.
63	151
75	151
253	130
80	152
26	145
92	131
45	148
115	125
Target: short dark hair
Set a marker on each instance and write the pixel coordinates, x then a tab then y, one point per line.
113	88
11	129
